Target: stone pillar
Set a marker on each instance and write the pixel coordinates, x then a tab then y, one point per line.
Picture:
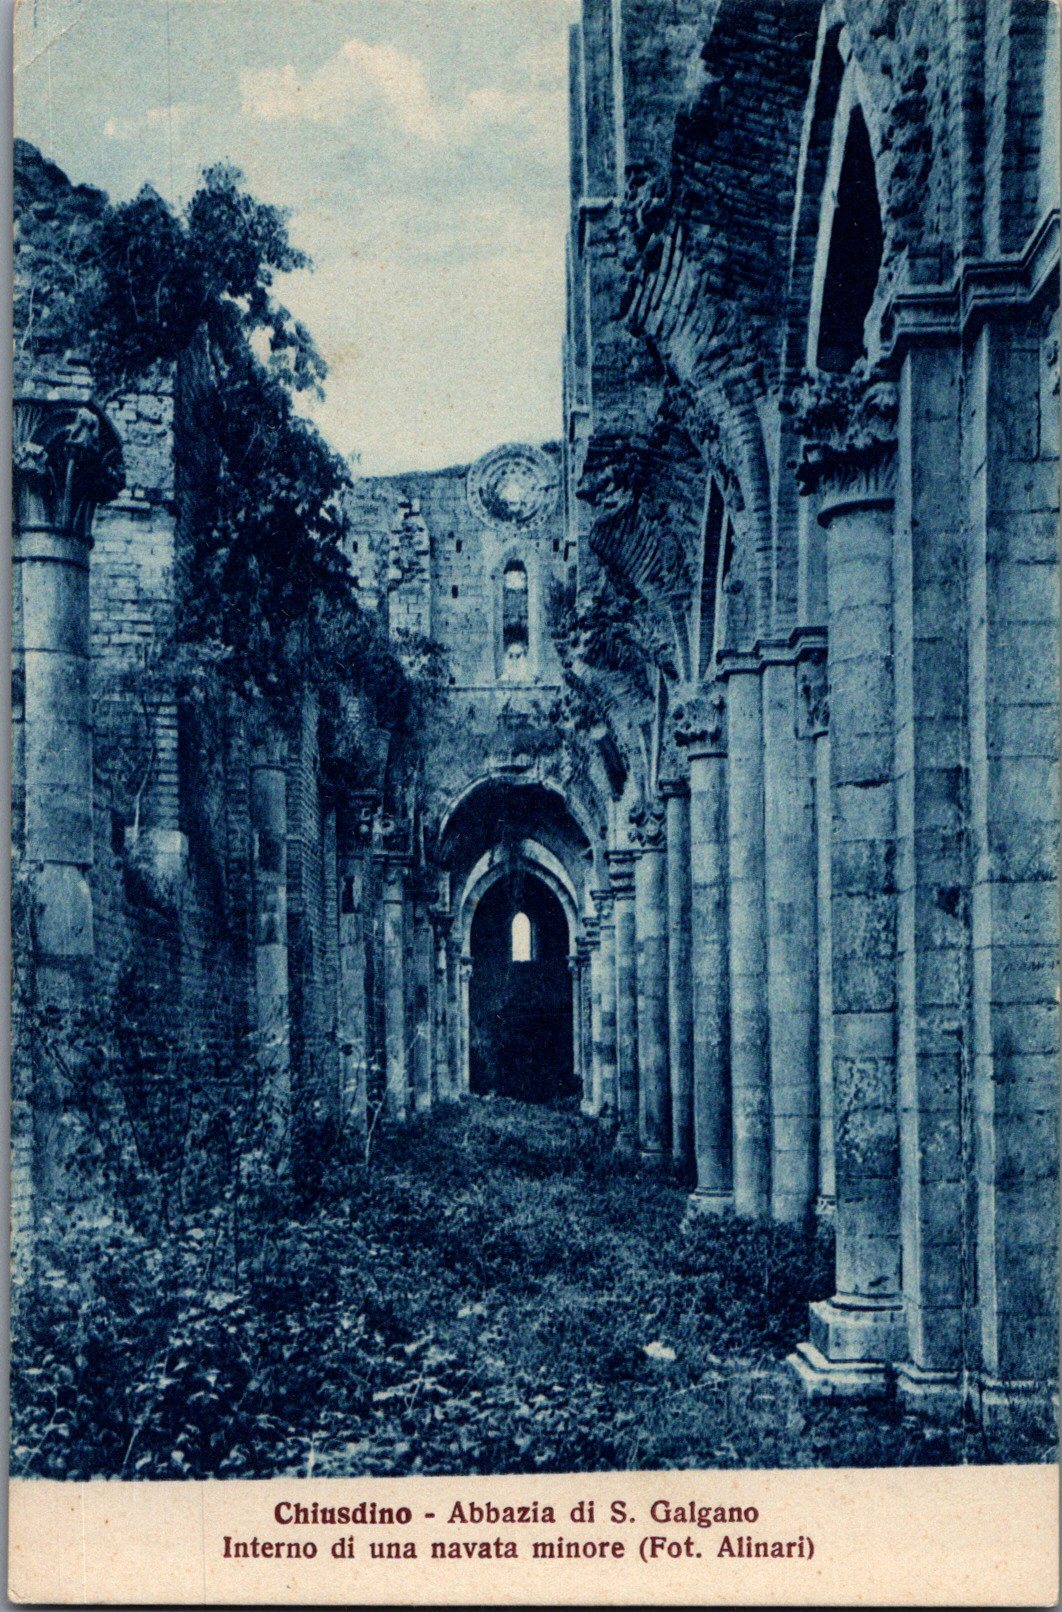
423	981
814	702
604	961
66	461
396	1048
790	866
442	1063
583	1066
269	829
931	542
700	728
464	1067
676	795
353	998
860	1331
650	919
621	871
453	1014
749	1073
1011	549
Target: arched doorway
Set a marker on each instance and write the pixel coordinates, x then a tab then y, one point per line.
520	993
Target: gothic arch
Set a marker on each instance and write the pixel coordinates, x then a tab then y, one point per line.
564	799
839	94
497	864
847	247
838	88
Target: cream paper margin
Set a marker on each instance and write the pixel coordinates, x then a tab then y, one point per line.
960	1536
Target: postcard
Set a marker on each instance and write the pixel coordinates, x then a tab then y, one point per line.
535	700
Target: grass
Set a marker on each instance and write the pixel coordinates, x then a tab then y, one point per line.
497	1293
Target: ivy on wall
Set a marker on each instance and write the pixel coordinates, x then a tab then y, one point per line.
139	290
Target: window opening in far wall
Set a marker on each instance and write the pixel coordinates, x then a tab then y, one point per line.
521	938
514	619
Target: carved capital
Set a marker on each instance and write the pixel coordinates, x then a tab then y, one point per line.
847	426
648	825
603	900
66	461
699	722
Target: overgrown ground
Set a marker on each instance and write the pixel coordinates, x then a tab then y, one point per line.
496	1293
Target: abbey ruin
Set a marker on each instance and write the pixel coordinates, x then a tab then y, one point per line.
736	811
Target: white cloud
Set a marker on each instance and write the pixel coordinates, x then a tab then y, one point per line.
361	76
364	78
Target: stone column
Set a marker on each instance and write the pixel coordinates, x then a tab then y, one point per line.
790	868
814	703
1011	550
650	919
464	1068
442	1064
396	1049
582	1066
749	1070
353	998
604	961
700	728
423	980
932	803
269	829
621	872
66	461
453	1014
857	1333
676	795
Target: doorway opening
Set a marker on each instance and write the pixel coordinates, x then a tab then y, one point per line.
520	993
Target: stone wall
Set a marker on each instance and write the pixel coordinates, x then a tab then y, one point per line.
873	827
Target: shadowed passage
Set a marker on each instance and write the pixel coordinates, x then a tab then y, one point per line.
520	993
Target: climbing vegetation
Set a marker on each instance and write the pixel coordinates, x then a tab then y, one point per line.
138	289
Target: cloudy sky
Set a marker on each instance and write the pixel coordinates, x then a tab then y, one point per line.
421	148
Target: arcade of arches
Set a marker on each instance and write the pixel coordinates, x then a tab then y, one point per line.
740	818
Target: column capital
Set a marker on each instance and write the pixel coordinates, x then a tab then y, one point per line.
603	900
394	866
847	425
66	461
700	723
592	928
269	746
673	788
648	826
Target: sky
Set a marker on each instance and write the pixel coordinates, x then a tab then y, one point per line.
421	148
